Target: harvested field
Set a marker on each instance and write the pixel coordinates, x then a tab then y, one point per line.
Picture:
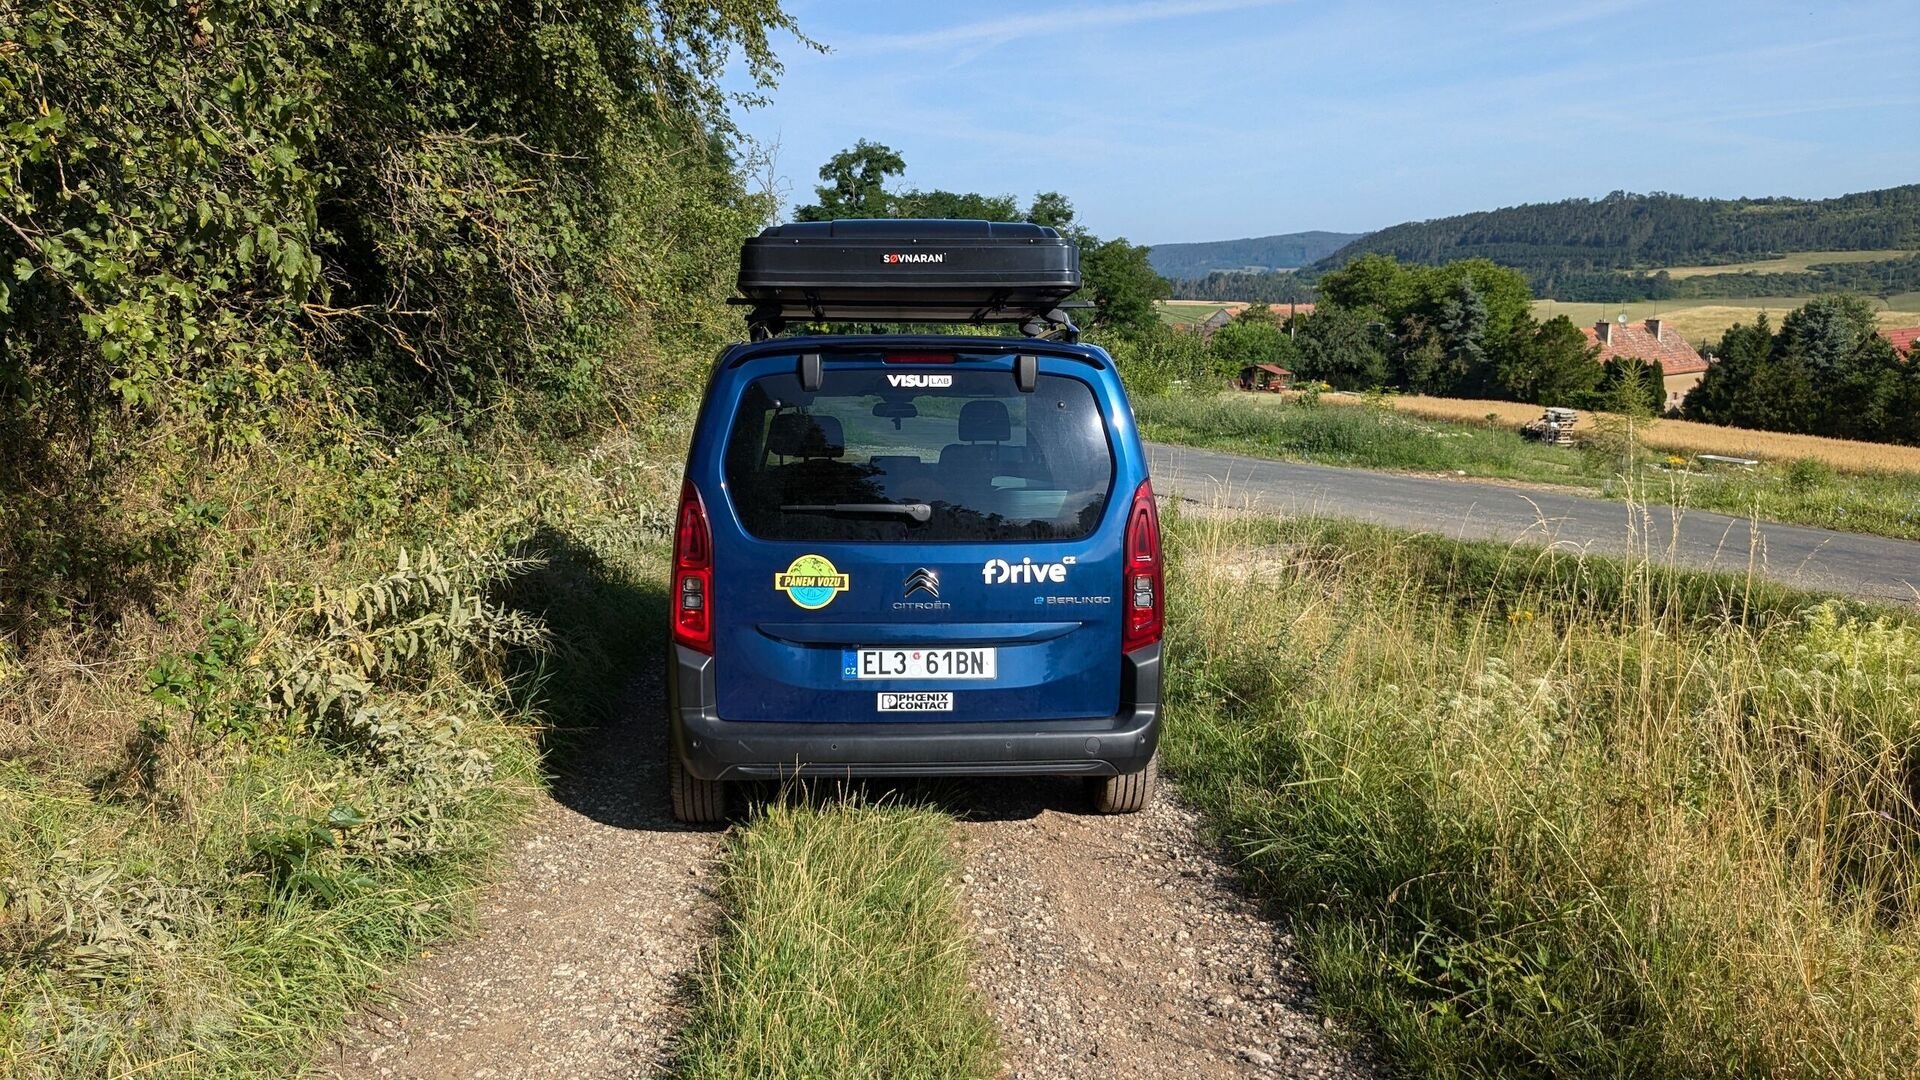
1676	436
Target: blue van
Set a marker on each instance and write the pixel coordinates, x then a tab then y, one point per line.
914	555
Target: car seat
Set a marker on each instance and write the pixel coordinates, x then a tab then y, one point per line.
970	465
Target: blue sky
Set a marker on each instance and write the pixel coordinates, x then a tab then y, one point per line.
1170	120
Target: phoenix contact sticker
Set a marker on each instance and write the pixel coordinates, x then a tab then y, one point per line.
812	582
914	701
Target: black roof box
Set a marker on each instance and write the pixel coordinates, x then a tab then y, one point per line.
886	270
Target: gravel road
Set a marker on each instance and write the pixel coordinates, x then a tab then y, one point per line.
1869	566
1121	946
575	968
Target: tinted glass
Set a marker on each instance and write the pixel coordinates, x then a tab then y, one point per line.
866	459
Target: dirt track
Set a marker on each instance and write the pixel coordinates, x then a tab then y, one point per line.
1113	946
575	968
1120	946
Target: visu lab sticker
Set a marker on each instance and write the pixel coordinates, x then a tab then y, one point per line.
812	581
915	701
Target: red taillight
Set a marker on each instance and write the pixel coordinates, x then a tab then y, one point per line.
918	358
693	574
1143	599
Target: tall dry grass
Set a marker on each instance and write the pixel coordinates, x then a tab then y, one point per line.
1545	816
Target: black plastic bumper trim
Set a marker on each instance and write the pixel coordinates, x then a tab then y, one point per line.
715	749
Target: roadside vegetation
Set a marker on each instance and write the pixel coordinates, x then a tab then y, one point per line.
842	954
1535	815
1875	489
342	359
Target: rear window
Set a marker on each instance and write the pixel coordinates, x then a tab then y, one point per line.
866	459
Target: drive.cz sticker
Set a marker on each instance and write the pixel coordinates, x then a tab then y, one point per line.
915	701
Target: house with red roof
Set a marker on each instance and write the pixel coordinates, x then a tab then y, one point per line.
1903	339
1652	342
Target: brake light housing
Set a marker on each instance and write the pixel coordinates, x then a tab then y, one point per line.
693	573
1144	591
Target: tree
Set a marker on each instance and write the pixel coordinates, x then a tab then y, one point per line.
954	204
1462	327
1375	282
1246	341
1743	348
1827	371
856	184
1123	284
1551	364
1628	384
1052	209
1340	346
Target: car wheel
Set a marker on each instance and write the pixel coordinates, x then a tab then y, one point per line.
695	801
1127	793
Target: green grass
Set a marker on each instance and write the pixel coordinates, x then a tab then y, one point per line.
1802	493
1187	314
1534	815
843	953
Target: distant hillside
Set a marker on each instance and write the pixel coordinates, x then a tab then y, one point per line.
1282	252
1600	249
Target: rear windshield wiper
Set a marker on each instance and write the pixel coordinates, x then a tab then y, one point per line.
919	512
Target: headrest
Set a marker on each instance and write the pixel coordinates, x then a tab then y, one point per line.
803	436
985	421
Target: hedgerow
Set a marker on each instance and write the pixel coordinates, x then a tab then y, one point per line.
334	342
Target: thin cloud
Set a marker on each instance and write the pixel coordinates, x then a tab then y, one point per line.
1038	26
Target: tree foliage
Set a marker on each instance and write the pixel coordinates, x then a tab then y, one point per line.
1602	249
1826	371
225	222
1117	276
1254	336
1442	329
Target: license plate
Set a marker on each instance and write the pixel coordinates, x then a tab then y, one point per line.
919	663
916	701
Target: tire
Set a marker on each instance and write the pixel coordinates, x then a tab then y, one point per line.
695	801
1127	793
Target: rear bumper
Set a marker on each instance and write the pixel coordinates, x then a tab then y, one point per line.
716	749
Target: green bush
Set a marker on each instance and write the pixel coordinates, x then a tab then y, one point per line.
232	222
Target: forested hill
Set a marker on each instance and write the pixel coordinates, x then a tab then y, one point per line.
1282	252
1630	232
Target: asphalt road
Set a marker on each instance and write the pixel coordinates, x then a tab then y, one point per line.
1868	566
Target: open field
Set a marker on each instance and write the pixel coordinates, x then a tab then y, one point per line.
1677	436
1536	815
1702	322
1829	483
1187	312
1795	263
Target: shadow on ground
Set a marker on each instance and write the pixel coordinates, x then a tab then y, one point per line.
600	683
602	687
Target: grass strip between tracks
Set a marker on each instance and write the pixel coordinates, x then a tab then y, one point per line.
843	952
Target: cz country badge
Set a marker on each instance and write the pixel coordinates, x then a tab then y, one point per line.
812	582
